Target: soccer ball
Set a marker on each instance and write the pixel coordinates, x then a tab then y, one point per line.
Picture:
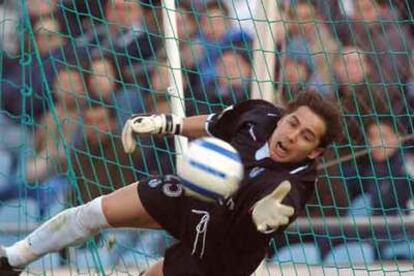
210	169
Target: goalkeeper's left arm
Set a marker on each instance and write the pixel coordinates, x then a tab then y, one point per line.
161	124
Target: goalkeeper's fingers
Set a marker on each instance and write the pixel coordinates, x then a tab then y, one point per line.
281	191
127	137
278	217
286	210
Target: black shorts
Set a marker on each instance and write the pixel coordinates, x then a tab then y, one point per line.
210	241
181	216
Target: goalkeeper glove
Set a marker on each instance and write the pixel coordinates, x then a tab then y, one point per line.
269	213
142	125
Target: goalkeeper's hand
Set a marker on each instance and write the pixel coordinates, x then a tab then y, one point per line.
142	125
269	213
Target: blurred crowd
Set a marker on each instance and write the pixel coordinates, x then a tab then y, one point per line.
73	71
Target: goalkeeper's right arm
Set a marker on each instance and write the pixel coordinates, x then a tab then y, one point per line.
162	124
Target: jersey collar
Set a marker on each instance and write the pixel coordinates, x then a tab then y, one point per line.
262	155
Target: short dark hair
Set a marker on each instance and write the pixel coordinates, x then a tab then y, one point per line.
327	110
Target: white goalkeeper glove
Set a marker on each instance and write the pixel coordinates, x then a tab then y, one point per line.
141	125
269	213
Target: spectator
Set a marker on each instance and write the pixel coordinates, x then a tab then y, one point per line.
98	161
358	100
97	128
103	79
233	70
186	21
190	52
361	105
41	8
379	180
157	99
28	80
307	28
77	16
351	75
122	18
43	164
406	10
232	84
217	34
47	34
298	50
104	85
13	139
57	128
128	43
131	34
296	73
376	30
101	166
351	69
122	14
97	148
385	180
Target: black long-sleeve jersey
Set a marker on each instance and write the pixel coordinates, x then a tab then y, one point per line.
221	239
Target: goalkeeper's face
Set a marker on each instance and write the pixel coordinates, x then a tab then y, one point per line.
297	136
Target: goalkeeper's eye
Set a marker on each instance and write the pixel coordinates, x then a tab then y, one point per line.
293	123
307	138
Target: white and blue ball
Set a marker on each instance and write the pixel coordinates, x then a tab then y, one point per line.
210	169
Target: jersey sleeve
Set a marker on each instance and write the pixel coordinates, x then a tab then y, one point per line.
225	125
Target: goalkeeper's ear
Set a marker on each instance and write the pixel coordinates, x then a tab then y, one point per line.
316	153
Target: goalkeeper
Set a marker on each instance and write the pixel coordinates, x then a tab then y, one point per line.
279	148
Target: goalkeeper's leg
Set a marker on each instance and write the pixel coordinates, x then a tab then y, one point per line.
122	208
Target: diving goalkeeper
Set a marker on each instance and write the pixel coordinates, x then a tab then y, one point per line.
279	149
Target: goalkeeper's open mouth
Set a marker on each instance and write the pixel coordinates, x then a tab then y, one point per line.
280	150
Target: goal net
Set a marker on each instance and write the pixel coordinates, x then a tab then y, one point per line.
73	71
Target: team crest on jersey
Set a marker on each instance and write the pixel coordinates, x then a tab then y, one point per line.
256	171
172	190
153	183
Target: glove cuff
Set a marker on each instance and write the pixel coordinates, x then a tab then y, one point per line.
173	124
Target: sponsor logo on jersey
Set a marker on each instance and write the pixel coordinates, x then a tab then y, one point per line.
153	183
256	171
172	190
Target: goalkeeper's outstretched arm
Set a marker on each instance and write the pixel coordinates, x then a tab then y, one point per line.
195	126
161	124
